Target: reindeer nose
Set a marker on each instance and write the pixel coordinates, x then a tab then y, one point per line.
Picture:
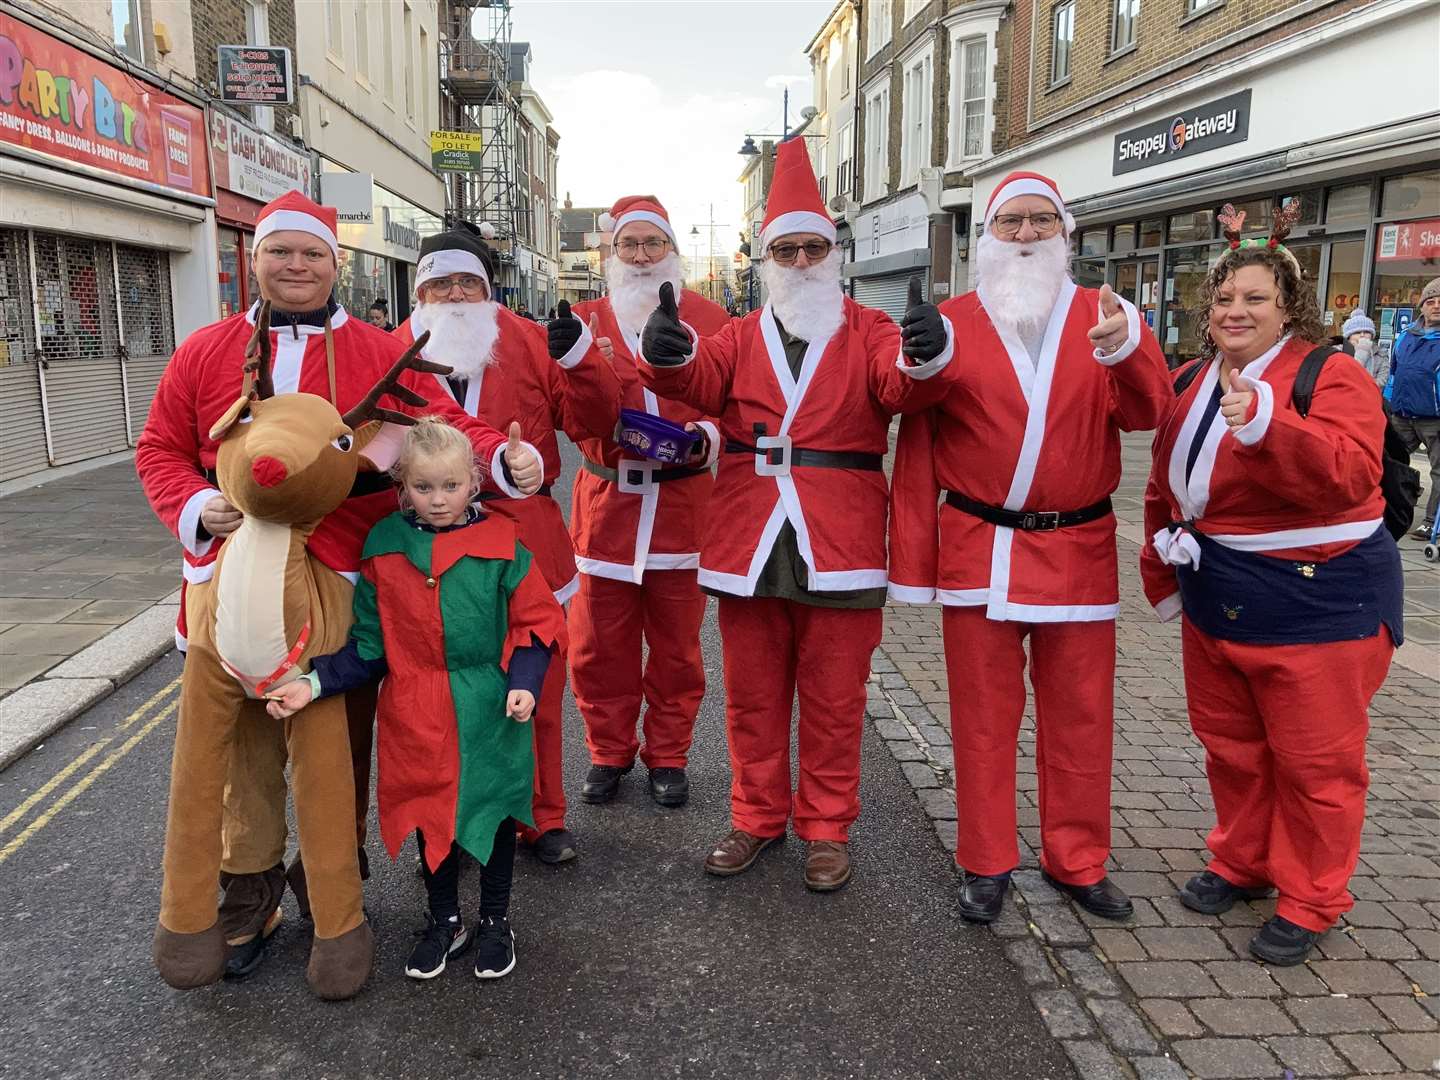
268	471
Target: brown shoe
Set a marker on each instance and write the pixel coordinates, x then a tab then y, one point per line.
827	866
737	853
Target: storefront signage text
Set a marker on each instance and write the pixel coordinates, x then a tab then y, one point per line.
255	164
255	75
352	195
456	151
400	235
1216	123
902	225
1409	240
60	101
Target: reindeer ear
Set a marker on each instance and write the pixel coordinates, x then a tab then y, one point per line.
379	444
227	421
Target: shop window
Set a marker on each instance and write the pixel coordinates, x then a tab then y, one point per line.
1089	273
1123	238
1152	232
1092	242
1185	272
17	321
362	279
1342	291
1195	225
1309	206
1346	205
75	287
1258	214
229	273
1415	195
145	308
1405	258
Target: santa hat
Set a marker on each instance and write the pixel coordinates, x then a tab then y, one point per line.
1028	183
632	208
794	205
455	252
296	212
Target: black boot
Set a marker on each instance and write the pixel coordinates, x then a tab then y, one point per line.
982	897
669	787
603	781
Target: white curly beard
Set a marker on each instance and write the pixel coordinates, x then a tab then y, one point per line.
463	335
635	290
808	301
1019	283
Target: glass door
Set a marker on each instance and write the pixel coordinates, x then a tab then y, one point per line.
1342	284
1138	280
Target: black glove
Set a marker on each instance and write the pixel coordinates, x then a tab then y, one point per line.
664	342
564	330
922	329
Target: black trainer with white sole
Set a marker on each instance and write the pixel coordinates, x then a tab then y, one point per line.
495	947
438	942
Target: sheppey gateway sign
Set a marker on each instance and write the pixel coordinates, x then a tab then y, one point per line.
1221	122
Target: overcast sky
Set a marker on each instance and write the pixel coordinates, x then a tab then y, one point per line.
656	97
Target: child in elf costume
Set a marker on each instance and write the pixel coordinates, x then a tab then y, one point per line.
451	611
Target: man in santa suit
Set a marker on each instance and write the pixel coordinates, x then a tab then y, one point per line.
636	527
1026	448
805	390
317	348
502	370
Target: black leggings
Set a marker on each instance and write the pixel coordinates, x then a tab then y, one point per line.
443	885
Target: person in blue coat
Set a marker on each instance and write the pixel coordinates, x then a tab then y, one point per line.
1414	393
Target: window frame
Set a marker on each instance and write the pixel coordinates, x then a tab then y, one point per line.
917	131
1129	12
877	142
879	23
1057	77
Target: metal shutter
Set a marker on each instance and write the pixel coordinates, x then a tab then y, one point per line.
147	324
22	422
890	293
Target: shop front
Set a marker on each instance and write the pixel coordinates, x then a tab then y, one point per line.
1361	167
251	168
107	246
892	246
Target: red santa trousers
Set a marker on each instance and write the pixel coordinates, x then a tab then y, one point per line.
774	648
1073	672
548	805
608	620
1284	730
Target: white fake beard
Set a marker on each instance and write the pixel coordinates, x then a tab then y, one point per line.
808	302
635	290
1018	289
461	335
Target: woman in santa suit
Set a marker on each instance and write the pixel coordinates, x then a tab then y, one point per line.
1266	533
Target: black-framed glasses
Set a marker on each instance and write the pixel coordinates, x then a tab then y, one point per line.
785	253
470	284
1008	225
653	246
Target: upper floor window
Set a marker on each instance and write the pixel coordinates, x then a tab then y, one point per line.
913	8
1124	15
916	110
128	27
1192	6
334	28
877	143
362	44
969	113
407	43
878	25
1062	37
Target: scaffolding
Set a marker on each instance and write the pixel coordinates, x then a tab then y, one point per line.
475	77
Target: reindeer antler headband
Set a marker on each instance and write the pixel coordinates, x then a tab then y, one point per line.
1232	221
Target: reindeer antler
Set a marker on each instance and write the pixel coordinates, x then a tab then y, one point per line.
1232	221
1284	220
257	356
370	407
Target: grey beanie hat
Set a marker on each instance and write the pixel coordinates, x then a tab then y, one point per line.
1432	288
1357	322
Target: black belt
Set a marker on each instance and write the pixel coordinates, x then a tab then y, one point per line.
486	496
366	483
658	476
815	459
1028	520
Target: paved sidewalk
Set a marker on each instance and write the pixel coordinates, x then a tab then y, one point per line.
1172	993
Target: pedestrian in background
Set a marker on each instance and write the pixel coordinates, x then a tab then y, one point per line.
378	315
1359	335
1415	393
1265	528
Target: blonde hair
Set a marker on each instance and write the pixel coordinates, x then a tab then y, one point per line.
432	437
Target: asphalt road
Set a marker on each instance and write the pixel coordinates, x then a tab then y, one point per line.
631	961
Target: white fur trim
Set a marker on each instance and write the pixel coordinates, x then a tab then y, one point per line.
632	216
626	572
712	433
1176	547
1254	429
295	221
196	575
1027	185
1308	536
569	589
487	230
188	527
797	221
910	594
604	221
1168	608
694	346
1132	337
440	264
497	469
577	351
930	367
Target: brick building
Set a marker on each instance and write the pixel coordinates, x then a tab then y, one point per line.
1153	116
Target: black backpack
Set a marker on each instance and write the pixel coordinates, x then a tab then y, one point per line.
1399	483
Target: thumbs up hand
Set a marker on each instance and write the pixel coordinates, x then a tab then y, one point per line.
606	347
1237	401
665	341
563	331
1113	329
922	330
526	468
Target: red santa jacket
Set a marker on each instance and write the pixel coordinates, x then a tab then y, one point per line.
1024	436
849	386
1293	487
525	384
203	379
621	533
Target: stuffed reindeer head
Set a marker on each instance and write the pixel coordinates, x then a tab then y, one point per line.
292	459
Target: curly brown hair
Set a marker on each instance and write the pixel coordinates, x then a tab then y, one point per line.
1298	298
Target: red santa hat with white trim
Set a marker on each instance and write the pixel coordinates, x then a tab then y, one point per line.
631	208
794	204
1028	183
296	212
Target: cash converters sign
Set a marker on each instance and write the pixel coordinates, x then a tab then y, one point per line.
1222	122
64	103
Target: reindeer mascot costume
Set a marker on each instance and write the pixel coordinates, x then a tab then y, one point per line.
262	424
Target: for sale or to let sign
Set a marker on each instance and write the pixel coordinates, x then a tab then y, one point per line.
255	75
456	151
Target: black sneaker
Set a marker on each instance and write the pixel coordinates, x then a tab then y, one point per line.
555	846
438	942
1210	894
495	953
1281	943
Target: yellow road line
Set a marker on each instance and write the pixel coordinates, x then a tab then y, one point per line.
60	777
89	778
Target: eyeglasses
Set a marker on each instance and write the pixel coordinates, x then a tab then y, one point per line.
654	247
469	284
815	250
1008	225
